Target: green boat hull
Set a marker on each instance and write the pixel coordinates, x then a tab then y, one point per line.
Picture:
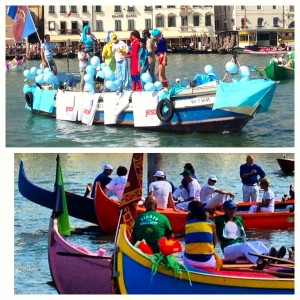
275	72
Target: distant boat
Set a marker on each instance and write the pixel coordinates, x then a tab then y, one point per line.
279	72
287	165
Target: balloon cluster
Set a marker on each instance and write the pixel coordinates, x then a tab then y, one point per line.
243	71
148	85
41	76
209	70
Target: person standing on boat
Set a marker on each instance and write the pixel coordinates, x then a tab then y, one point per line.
47	54
84	57
103	178
193	190
143	59
249	173
161	51
232	237
136	84
268	198
162	191
200	238
107	54
88	39
212	196
117	185
151	53
151	225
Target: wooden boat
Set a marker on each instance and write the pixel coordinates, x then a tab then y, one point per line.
209	108
78	206
107	212
279	72
135	277
287	165
75	271
19	65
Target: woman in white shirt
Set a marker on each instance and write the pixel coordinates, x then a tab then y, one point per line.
84	60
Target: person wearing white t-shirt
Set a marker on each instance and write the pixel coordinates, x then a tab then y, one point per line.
193	188
212	196
162	191
117	185
268	198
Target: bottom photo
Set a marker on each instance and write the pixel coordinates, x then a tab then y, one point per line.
154	223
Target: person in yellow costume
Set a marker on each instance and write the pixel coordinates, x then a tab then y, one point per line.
107	53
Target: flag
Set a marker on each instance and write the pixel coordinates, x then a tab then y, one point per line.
61	208
70	12
133	191
23	24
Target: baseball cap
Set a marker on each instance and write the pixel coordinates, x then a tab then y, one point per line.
229	204
186	172
213	178
108	167
159	174
155	33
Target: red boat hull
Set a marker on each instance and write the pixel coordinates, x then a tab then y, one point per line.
286	165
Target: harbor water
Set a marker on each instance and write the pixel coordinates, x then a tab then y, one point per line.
274	128
31	270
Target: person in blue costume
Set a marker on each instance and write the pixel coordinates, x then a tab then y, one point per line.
88	38
144	65
249	173
103	178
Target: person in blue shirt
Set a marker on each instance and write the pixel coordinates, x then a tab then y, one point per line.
47	54
103	178
250	174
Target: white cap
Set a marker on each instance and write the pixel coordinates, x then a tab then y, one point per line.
108	167
213	177
159	174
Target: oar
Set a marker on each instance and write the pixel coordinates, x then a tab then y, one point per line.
82	255
273	258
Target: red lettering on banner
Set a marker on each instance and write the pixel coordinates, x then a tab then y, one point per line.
69	108
150	112
87	111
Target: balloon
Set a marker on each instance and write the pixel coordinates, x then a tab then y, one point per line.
244	71
146	78
117	83
106	68
47	70
245	78
26	74
39	71
109	84
100	74
235	80
158	85
103	65
231	67
109	74
48	77
88	78
33	70
90	70
209	69
39	79
95	61
89	87
149	87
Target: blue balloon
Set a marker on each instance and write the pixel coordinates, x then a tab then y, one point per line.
244	71
149	87
209	69
95	61
103	65
158	85
33	70
106	68
39	71
48	77
100	74
245	78
109	84
117	83
47	70
39	79
88	78
231	67
235	80
26	74
90	70
89	87
146	78
109	74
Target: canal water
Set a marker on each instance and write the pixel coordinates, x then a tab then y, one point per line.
274	128
30	264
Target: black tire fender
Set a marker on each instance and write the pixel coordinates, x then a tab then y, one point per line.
165	117
29	99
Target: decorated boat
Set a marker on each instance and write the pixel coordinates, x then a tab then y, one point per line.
78	206
279	72
287	165
107	212
131	261
16	64
76	270
208	108
265	51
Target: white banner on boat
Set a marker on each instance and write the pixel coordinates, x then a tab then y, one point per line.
65	106
114	104
144	109
87	111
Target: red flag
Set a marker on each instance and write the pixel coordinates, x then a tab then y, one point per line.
133	191
70	12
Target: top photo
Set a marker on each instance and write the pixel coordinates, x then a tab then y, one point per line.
150	76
